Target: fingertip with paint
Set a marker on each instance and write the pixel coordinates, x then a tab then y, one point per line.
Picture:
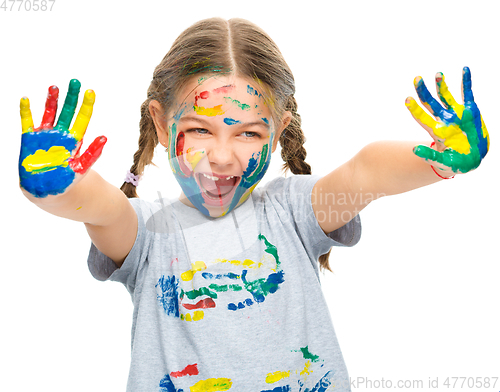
25	103
417	80
89	97
74	85
439	77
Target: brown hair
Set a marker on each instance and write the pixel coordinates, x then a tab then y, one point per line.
235	46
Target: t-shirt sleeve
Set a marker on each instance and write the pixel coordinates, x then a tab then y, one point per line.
293	195
103	268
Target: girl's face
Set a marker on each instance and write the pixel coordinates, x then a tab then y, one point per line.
220	141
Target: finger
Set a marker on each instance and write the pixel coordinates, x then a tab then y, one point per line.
87	159
428	100
446	97
433	157
426	121
467	86
84	115
26	117
50	108
68	110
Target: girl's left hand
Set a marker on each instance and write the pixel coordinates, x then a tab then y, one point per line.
460	136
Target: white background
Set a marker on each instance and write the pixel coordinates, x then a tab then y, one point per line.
417	298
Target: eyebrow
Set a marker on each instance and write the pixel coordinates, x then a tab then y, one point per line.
240	124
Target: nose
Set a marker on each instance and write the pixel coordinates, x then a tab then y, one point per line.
221	153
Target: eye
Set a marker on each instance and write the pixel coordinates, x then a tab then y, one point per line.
199	131
251	135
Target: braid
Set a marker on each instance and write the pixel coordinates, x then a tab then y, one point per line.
292	141
148	139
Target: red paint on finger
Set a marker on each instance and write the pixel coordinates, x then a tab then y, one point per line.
81	164
50	108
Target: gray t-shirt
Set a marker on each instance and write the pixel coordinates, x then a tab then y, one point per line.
231	303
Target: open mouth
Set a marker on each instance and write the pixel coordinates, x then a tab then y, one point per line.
217	188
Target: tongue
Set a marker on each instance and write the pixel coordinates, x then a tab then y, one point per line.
219	187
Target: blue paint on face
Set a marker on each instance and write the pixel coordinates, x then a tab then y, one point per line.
265	120
55	180
168	295
231	121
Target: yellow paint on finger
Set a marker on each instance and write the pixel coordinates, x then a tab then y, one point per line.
195	267
212	385
84	115
42	161
26	117
420	115
445	93
210	112
276	376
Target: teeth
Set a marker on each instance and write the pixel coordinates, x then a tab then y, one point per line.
215	178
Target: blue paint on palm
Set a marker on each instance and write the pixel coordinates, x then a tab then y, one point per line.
52	181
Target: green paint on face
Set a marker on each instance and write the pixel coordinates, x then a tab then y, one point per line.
242	106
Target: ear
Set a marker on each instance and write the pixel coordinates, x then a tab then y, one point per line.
158	115
285	121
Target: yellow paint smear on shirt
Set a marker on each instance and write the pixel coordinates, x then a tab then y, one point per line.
306	368
42	160
245	263
197	316
276	376
212	385
210	112
195	267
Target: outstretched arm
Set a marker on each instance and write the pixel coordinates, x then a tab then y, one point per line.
58	179
387	168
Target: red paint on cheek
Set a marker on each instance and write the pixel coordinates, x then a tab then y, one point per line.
204	94
180	144
179	150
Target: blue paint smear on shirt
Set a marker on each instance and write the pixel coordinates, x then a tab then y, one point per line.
168	297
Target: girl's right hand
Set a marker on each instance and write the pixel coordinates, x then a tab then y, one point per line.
50	162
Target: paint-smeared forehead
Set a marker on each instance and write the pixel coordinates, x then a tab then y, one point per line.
218	96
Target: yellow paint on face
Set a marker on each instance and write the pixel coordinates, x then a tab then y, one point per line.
212	385
210	112
194	157
195	267
276	376
42	161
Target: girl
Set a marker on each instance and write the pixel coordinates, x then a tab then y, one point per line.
225	280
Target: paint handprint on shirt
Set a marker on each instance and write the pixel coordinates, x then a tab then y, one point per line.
179	296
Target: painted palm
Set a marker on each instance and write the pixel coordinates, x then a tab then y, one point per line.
461	137
50	155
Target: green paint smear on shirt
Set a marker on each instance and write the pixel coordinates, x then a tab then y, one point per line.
308	355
